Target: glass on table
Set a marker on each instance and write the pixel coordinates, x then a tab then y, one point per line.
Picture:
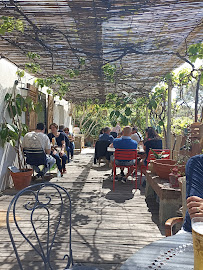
197	235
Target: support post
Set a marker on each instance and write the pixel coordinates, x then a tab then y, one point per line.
147	117
168	138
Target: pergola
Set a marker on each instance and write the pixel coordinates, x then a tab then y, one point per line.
145	40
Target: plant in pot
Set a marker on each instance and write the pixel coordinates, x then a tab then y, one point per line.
161	155
12	130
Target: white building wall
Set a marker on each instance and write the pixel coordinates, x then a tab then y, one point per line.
7	79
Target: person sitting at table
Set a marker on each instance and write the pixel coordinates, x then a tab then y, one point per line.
71	140
106	135
114	132
37	140
67	141
153	141
125	142
135	135
59	140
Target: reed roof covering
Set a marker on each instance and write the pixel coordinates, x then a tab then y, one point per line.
145	39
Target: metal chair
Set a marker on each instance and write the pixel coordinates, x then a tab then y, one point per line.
101	151
125	155
152	157
42	224
35	157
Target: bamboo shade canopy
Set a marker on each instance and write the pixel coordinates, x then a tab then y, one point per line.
145	40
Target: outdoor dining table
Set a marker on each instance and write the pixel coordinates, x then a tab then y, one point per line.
174	252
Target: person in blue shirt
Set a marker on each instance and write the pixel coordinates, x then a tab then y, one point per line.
125	142
106	135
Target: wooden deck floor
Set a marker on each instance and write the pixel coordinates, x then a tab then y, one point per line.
108	227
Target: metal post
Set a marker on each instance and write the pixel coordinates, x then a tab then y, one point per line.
168	138
147	116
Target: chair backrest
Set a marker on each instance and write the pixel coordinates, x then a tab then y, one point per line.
151	156
35	156
125	154
101	148
41	216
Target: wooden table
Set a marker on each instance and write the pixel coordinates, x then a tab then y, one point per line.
170	199
174	252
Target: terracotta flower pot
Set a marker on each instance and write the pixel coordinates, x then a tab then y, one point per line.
22	179
163	167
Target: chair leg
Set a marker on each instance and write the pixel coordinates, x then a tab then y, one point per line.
136	178
114	175
140	175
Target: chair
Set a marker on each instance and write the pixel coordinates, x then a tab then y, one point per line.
101	151
150	157
125	154
194	187
35	157
41	215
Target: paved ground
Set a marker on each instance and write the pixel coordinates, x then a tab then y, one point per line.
108	227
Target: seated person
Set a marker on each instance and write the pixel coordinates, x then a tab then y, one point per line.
135	135
194	190
125	142
71	140
59	140
114	132
67	141
106	135
38	140
152	141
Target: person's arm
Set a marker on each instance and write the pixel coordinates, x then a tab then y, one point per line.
48	146
63	147
195	206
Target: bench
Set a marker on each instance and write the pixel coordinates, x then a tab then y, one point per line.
170	199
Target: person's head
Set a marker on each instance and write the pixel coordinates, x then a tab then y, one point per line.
134	130
41	127
127	131
61	127
119	134
66	130
107	130
101	131
53	127
151	133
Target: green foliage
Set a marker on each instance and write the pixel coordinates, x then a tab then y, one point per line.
180	123
159	156
82	61
72	72
109	72
12	132
32	55
9	24
20	73
57	82
195	51
32	67
183	77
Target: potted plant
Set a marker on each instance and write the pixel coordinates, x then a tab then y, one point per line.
12	131
156	156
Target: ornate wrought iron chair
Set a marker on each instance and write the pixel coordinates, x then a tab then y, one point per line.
40	226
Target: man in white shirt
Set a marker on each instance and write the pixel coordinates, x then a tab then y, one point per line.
135	135
38	140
